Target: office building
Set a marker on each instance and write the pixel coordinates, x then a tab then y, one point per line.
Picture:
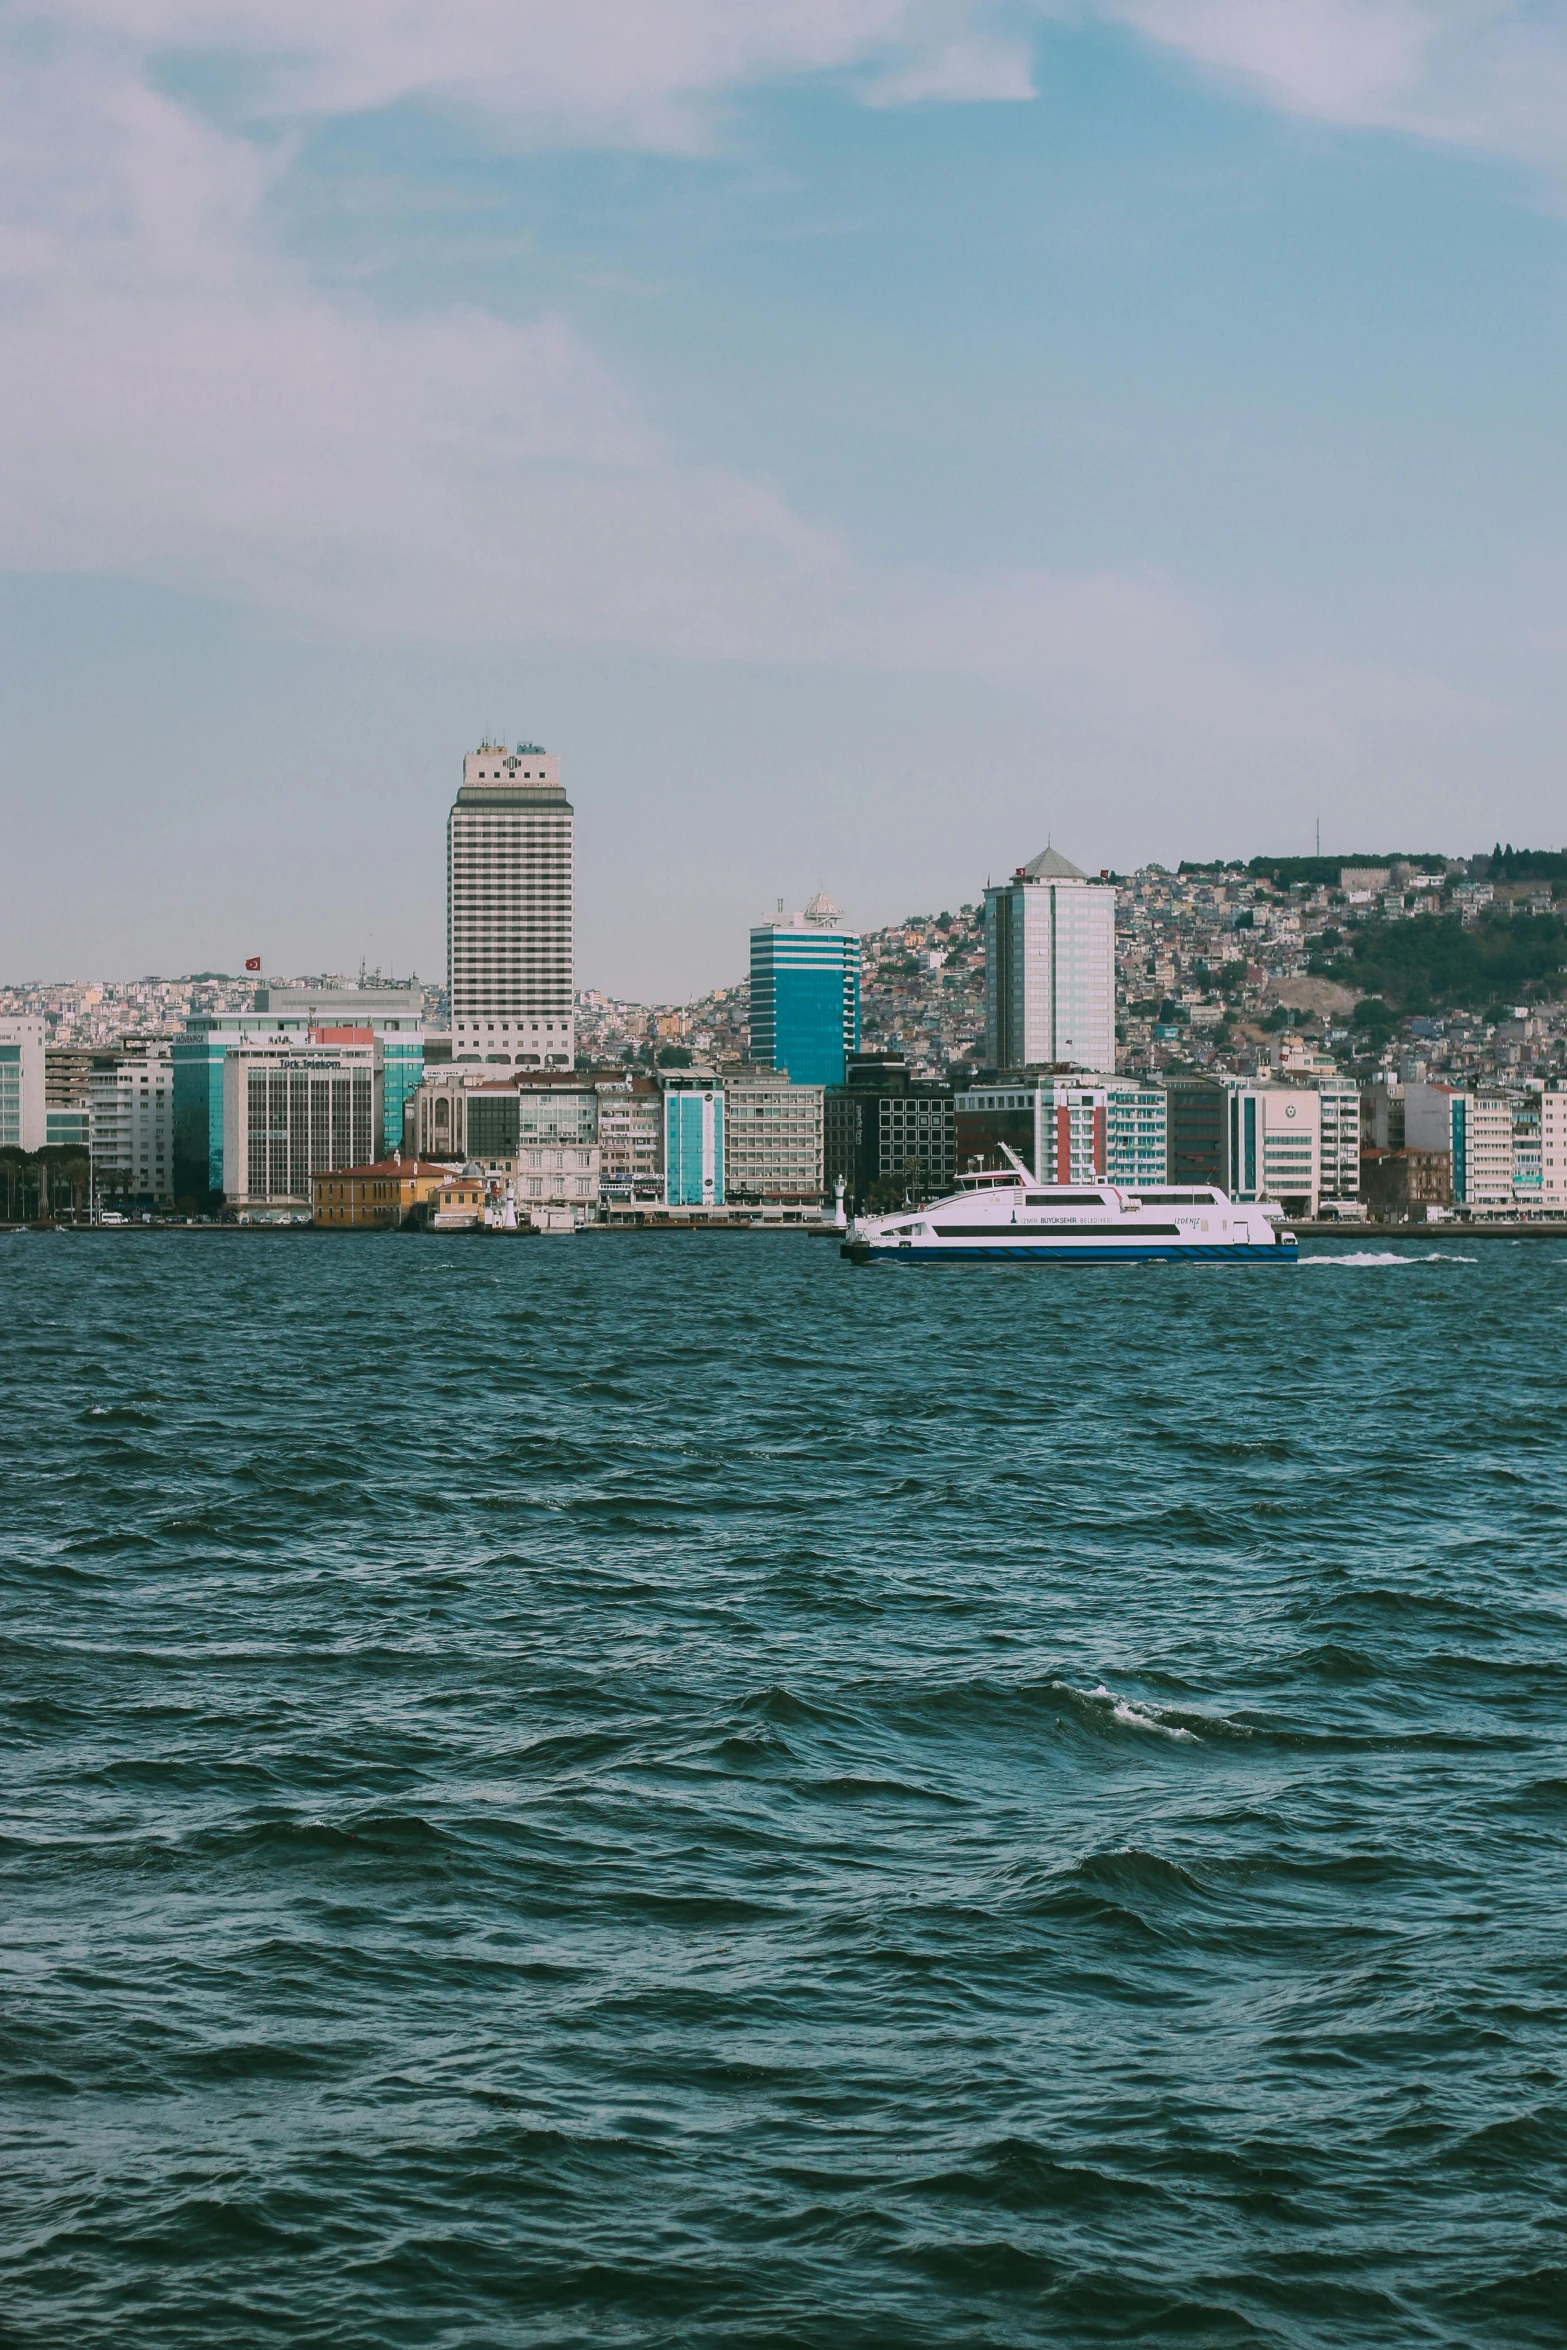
1050	968
772	1140
392	1015
510	898
805	994
693	1138
1291	1147
387	1016
23	1124
292	1112
1216	1134
130	1113
889	1135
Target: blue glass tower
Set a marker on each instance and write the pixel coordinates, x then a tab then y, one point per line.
805	998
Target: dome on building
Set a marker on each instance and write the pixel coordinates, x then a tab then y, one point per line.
1050	865
823	912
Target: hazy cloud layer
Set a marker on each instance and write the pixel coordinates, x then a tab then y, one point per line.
182	402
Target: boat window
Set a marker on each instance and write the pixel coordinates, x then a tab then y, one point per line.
1064	1199
1177	1199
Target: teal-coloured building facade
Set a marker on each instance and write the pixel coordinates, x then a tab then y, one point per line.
805	999
694	1144
394	1017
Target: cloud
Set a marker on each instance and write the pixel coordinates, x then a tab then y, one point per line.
182	403
644	71
1490	75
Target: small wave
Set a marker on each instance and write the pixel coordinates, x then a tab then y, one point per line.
1389	1256
1141	1717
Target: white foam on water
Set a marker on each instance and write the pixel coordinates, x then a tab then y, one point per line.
1389	1256
1141	1717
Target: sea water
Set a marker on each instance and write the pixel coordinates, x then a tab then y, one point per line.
672	1790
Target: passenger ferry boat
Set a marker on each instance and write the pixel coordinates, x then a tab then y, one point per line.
1009	1218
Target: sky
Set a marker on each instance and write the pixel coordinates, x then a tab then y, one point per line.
863	438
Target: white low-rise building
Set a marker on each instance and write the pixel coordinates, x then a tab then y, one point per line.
772	1139
130	1122
23	1116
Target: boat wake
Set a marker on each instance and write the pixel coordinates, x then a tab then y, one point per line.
1389	1256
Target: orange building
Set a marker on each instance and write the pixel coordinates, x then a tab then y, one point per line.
389	1193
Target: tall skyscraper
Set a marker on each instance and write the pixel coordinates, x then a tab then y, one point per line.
1050	968
510	898
805	994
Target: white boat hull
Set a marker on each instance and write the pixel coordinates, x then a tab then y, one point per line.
1016	1221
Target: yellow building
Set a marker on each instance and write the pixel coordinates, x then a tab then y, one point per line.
383	1196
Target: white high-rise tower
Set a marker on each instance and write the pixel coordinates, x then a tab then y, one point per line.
1050	968
510	901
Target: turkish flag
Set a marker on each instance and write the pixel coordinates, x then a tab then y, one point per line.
252	962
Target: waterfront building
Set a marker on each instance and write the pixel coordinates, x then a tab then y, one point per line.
388	1016
1400	1186
1476	1128
538	1129
23	1123
1340	1143
65	1076
631	1138
67	1116
1553	1147
1050	968
887	1133
805	994
292	1112
1528	1152
1057	1125
383	1196
393	1015
69	1127
1216	1134
510	900
1137	1132
1291	1147
1382	1114
130	1121
772	1139
693	1138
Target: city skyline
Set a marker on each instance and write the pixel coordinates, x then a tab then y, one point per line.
1136	423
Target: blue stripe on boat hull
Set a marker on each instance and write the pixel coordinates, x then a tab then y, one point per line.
1013	1253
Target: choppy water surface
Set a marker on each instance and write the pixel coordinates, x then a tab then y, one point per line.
678	1792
